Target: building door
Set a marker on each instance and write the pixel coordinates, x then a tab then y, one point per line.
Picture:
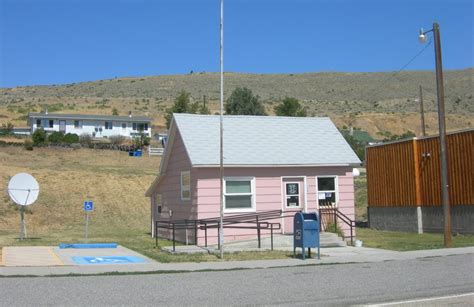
62	126
293	192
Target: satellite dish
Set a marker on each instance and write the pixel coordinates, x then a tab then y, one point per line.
23	189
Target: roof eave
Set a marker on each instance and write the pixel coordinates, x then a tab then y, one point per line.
91	117
277	165
154	184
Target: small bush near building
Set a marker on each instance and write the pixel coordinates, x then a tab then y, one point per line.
117	139
141	141
70	138
85	140
28	145
56	137
6	129
39	137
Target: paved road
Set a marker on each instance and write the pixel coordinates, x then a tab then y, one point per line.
311	285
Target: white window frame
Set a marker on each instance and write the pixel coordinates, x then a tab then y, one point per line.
336	190
185	188
299	183
252	194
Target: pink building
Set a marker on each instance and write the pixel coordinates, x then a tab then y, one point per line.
270	163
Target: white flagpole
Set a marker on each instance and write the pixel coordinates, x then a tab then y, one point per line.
221	227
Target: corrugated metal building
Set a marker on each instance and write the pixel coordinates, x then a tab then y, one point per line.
403	184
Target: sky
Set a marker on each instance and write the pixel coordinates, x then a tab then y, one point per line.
64	41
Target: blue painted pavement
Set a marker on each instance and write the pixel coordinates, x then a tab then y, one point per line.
108	260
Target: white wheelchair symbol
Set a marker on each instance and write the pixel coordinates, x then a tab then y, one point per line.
107	260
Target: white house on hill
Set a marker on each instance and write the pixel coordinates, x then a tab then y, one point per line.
98	126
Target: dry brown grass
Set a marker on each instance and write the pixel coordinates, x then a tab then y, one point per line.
380	101
113	180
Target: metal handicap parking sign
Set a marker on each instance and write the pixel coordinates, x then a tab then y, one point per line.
108	260
88	206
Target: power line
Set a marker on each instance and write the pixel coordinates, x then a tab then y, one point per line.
393	75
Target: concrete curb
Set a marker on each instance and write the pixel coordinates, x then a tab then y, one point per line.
338	255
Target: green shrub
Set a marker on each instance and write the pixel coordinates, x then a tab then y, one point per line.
28	145
39	137
71	138
56	137
141	140
6	128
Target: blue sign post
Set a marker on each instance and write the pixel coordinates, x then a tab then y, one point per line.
88	207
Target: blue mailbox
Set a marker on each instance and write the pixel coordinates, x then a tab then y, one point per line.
306	232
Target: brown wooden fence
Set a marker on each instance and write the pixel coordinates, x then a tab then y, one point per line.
407	173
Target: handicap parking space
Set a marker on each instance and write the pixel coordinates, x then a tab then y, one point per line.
55	256
100	256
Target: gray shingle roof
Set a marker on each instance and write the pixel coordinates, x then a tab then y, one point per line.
264	140
90	117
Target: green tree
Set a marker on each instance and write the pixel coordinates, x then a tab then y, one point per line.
357	146
203	109
290	107
39	137
182	104
243	102
115	111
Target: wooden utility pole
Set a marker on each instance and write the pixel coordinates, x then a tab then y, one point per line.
422	113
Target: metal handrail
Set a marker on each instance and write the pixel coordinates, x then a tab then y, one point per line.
259	220
344	218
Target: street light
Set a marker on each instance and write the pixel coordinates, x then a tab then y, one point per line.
442	130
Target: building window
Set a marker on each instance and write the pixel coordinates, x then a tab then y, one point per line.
134	126
327	194
51	123
140	127
38	123
124	125
78	124
108	125
158	203
239	194
292	190
186	185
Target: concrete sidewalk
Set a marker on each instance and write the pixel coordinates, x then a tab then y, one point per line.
338	255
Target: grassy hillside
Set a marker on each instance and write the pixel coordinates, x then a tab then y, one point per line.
115	182
376	102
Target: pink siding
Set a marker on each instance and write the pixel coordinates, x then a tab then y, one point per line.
269	194
170	190
346	199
